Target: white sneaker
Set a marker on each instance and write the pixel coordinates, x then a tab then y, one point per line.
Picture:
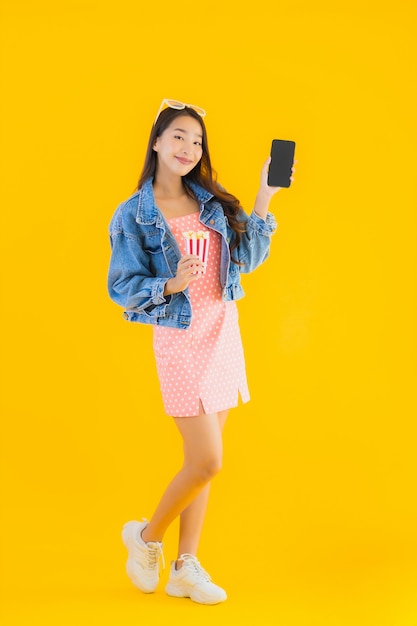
192	581
142	565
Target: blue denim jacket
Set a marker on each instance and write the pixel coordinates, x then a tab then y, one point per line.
145	255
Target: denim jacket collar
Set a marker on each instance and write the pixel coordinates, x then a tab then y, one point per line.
148	212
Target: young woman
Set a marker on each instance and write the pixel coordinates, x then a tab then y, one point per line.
191	304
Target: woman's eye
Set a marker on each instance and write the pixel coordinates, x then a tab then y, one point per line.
198	143
178	137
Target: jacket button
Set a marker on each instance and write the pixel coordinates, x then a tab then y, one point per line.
211	221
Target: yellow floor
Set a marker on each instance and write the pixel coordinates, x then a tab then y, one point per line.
284	605
79	581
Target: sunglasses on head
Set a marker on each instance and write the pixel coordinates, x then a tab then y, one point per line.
176	104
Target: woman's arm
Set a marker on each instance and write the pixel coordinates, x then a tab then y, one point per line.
265	192
260	226
131	283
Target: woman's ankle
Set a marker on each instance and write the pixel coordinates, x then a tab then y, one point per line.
146	535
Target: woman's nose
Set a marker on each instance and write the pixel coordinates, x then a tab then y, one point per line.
188	148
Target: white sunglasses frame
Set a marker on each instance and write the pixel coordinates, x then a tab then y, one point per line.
179	106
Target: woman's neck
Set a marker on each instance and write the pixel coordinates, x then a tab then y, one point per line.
169	187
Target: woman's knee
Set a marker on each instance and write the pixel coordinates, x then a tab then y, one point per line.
203	447
206	469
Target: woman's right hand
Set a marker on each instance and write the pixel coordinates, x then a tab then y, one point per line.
189	268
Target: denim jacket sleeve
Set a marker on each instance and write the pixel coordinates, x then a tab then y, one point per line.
255	242
131	283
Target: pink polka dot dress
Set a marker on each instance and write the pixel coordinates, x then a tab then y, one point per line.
205	362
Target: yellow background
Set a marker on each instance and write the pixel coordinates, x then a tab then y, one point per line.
313	520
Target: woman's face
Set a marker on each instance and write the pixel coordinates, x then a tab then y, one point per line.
179	148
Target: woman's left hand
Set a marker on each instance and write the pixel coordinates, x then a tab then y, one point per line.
266	192
264	179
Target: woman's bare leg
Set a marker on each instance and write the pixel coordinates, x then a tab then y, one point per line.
192	518
202	436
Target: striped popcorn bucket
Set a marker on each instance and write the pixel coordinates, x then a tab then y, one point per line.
197	243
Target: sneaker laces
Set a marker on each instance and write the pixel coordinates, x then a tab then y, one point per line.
193	564
155	553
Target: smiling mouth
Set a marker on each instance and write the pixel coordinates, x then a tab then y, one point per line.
183	161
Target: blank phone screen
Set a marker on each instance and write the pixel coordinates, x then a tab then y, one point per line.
282	159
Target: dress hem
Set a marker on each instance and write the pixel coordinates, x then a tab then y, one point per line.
243	398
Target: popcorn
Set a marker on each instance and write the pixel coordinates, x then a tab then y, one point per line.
197	242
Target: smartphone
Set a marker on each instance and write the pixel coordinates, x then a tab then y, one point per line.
282	159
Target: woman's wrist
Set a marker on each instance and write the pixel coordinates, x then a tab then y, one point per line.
263	198
168	291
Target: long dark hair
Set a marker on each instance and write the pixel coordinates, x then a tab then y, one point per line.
202	174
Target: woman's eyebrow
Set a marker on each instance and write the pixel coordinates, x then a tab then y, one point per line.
186	132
